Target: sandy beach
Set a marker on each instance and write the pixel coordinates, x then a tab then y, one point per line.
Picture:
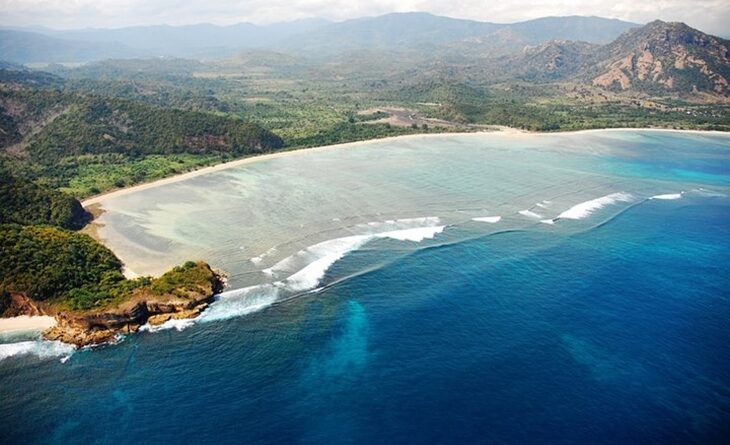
26	323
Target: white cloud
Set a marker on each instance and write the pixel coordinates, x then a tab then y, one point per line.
708	15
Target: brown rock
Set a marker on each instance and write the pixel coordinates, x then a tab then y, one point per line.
103	326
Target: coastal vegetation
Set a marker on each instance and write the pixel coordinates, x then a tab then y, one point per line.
44	264
24	202
71	271
86	144
55	265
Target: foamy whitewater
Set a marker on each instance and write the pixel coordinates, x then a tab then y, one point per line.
668	196
530	214
38	348
488	219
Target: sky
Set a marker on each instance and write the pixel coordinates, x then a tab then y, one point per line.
708	15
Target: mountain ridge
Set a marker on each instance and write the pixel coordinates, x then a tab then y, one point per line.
206	41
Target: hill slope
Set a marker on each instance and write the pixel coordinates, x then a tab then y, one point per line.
394	31
555	60
28	47
390	31
23	202
665	57
87	143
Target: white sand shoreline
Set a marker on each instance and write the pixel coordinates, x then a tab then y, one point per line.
503	131
23	323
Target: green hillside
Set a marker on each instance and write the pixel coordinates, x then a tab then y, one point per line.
87	144
23	202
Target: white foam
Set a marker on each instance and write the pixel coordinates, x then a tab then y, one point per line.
488	219
229	304
323	255
529	214
416	235
258	259
238	302
585	209
400	224
177	324
40	348
668	196
326	254
548	221
318	258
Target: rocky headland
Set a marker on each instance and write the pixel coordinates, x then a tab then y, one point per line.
145	305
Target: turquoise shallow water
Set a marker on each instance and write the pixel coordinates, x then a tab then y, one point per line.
611	328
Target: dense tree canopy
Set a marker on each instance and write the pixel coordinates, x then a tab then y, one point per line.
24	202
47	263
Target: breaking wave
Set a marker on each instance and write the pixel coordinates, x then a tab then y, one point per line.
488	219
668	196
178	325
42	349
585	209
238	302
529	214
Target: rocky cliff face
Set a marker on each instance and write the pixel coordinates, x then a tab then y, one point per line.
669	57
102	326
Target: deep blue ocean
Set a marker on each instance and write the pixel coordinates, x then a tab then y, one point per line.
615	334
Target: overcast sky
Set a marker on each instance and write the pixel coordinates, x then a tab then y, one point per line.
708	15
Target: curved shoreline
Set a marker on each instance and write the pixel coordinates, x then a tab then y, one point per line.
502	131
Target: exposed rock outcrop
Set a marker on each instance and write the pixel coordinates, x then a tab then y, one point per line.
18	303
105	325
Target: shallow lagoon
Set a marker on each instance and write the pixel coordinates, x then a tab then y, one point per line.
245	220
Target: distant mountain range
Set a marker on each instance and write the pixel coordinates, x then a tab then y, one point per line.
658	57
315	36
30	47
414	30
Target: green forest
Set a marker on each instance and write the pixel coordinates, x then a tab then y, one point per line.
24	202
